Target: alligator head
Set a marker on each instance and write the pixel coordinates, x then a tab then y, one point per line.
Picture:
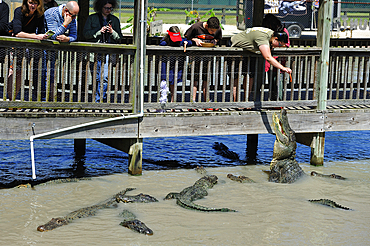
52	224
285	144
284	168
138	226
207	181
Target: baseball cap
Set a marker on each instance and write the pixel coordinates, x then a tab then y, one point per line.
175	36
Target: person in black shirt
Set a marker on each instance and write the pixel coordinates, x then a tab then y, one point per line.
28	22
198	33
4	18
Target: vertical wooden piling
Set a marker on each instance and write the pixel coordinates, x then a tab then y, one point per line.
80	147
252	144
323	41
135	157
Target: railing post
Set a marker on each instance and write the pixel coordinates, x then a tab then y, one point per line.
323	41
140	22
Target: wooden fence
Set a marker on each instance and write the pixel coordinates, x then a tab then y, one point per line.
49	74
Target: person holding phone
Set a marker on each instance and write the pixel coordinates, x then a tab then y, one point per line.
102	27
62	20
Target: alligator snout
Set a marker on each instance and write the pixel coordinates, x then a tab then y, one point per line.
41	228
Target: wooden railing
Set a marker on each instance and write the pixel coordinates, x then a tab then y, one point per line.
56	75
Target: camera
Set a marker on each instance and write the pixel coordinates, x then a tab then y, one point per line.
105	36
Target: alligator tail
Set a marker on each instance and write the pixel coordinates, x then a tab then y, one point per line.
329	203
194	206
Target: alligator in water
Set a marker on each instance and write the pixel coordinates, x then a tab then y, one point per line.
130	221
80	213
197	191
224	151
329	203
241	179
201	170
54	181
333	175
140	198
284	168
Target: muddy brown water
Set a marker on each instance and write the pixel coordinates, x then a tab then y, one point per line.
268	213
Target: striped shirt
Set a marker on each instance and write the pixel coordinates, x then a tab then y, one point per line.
54	21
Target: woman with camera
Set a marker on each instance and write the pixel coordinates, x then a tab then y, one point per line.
102	27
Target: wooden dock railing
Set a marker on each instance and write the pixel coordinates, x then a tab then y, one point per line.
53	75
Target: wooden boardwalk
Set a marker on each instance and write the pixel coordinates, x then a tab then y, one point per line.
23	123
65	107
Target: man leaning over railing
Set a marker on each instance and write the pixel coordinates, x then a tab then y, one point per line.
62	21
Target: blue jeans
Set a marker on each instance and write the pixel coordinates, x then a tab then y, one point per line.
98	77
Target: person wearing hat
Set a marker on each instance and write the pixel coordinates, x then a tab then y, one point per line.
173	38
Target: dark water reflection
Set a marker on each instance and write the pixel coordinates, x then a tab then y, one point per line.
56	158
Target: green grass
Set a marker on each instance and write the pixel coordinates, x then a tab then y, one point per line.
177	16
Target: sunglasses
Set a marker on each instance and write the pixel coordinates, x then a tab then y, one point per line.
73	16
32	3
108	8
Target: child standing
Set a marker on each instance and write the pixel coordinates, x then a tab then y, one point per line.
173	38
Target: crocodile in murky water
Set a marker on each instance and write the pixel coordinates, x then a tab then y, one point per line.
241	179
223	150
80	213
197	191
130	221
54	181
284	168
329	203
140	198
201	170
333	175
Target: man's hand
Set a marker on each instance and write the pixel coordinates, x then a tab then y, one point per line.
41	36
67	19
197	41
62	38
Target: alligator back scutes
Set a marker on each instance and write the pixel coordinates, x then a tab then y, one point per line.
197	191
333	175
130	221
241	179
329	203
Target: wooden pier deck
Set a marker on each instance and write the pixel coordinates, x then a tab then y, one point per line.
23	123
56	94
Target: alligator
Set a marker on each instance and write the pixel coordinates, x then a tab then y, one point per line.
140	198
134	224
241	179
333	175
224	151
54	181
197	191
284	168
201	170
80	213
329	203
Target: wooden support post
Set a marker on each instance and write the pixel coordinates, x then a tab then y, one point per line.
80	147
140	53
252	144
316	141
317	149
136	157
323	41
131	146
